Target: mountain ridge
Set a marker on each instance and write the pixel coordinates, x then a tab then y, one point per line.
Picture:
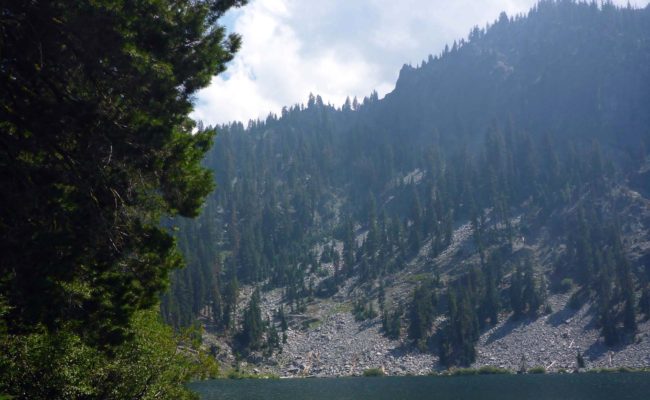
527	130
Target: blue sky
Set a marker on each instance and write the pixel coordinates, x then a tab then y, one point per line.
335	48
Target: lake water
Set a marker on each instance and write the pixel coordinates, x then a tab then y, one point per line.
633	386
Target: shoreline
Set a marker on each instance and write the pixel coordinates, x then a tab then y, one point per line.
448	373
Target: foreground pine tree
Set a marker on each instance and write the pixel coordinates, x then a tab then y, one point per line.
96	149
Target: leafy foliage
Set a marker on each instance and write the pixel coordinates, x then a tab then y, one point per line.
373	372
61	366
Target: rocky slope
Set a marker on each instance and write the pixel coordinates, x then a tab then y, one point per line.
326	340
337	345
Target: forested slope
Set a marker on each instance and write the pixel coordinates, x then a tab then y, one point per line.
532	127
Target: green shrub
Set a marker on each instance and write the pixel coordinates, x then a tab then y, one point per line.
238	374
373	372
463	371
155	362
617	370
537	370
492	370
484	370
602	370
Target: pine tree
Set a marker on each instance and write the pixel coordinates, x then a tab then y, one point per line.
349	248
606	314
516	294
391	322
231	293
422	312
490	303
97	149
489	308
531	296
629	315
458	337
580	360
283	320
252	328
272	338
415	230
526	295
371	243
584	257
644	303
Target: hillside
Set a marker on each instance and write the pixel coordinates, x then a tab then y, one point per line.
494	205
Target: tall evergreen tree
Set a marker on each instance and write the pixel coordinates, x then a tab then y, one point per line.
644	302
96	148
252	329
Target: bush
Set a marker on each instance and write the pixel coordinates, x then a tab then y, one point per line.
484	370
537	370
462	372
602	370
155	362
238	374
491	370
373	372
616	370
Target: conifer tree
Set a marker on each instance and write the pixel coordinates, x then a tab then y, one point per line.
349	248
516	294
415	231
231	294
580	360
422	312
252	329
97	148
644	302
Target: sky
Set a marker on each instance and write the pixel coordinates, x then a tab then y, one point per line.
334	48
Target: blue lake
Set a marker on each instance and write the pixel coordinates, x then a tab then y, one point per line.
633	386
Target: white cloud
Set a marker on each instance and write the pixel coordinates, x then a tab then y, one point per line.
335	48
